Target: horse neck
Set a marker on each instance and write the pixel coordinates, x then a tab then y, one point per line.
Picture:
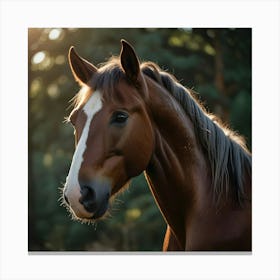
178	169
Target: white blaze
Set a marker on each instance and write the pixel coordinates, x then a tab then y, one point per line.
72	187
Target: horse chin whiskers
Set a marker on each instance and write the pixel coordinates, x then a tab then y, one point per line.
74	217
88	222
93	222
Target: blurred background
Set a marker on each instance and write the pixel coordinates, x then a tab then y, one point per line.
216	63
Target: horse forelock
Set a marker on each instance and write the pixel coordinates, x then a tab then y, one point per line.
104	80
81	97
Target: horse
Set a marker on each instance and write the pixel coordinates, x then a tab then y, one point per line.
131	117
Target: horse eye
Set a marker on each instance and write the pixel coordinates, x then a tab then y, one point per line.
119	118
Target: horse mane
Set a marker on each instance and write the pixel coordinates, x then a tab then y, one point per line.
228	156
226	151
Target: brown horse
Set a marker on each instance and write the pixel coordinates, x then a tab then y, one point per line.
131	117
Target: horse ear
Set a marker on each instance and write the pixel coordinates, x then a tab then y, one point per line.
129	61
81	69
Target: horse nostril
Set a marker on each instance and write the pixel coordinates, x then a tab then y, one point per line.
88	198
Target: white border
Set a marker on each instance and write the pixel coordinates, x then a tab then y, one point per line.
17	16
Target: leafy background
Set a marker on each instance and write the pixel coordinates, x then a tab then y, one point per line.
216	63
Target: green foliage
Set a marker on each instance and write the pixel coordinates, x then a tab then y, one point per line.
214	62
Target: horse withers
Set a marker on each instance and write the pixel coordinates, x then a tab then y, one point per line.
131	117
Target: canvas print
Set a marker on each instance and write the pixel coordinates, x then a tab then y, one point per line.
140	139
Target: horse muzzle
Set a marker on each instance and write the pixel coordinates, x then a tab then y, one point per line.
93	201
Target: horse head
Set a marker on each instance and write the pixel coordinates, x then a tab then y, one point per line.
113	131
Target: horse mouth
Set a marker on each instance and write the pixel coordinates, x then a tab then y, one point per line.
100	212
88	216
79	212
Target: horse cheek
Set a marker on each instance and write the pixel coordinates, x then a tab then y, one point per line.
139	147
